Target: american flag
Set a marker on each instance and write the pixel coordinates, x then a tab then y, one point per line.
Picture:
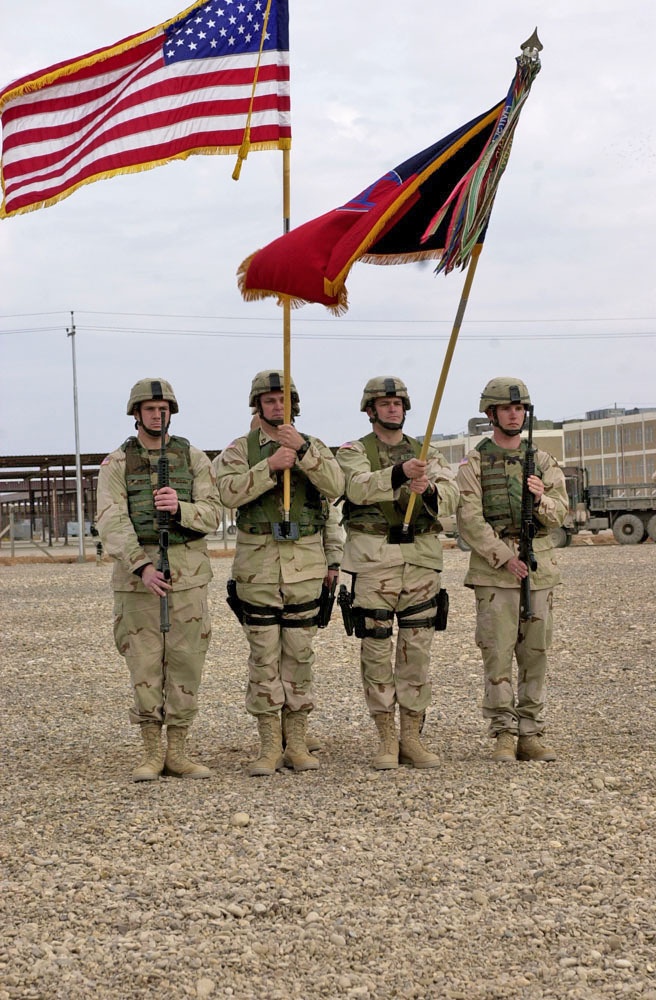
183	87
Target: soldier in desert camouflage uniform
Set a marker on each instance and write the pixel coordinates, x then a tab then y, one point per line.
165	667
489	517
278	578
333	547
392	578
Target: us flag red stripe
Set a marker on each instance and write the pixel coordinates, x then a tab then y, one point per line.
183	87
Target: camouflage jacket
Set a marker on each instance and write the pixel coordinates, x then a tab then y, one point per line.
333	537
190	565
490	552
261	558
365	487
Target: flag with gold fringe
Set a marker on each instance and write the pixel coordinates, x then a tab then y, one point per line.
436	205
198	83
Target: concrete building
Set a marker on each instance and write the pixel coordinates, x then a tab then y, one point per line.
614	446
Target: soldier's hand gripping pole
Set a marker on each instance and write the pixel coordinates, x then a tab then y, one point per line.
527	528
163	524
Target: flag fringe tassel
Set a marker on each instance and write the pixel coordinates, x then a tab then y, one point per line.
338	308
401	258
139	168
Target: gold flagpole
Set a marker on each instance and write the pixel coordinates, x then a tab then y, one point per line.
439	391
286	211
286	331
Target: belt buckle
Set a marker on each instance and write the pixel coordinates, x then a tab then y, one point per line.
401	534
285	531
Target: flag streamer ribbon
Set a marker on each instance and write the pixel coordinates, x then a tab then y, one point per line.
471	201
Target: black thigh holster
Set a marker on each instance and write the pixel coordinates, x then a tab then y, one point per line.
255	614
428	622
286	622
378	631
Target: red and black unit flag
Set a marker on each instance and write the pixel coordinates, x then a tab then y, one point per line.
195	84
435	205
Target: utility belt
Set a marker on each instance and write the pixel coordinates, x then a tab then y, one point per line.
384	529
354	617
290	532
515	534
257	615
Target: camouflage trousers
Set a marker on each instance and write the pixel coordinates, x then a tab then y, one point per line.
499	634
165	667
281	659
390	676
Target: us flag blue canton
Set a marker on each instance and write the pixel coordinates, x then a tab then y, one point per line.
222	29
189	85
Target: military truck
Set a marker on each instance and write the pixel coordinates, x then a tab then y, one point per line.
629	509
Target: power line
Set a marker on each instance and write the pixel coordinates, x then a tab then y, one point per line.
342	320
426	338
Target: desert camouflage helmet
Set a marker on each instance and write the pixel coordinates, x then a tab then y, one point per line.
384	385
152	388
273	381
504	389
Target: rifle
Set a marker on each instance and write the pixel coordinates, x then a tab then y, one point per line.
527	527
163	523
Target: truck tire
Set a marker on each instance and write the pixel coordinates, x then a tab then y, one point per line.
651	527
628	529
560	538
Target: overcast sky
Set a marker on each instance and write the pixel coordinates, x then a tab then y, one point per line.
564	296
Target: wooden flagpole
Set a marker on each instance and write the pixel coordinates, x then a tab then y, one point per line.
286	322
286	331
446	364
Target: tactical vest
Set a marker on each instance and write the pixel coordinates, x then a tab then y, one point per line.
141	480
502	471
375	519
308	509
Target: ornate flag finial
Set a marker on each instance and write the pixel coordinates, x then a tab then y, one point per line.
532	47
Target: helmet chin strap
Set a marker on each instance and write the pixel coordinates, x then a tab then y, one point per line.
275	421
502	430
387	424
138	425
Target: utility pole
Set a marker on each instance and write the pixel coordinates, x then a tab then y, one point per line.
78	463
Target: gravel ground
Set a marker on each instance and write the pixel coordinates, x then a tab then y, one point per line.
471	881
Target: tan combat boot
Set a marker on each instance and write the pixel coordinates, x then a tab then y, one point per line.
504	750
297	755
152	765
176	764
311	742
532	748
387	755
412	750
270	759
